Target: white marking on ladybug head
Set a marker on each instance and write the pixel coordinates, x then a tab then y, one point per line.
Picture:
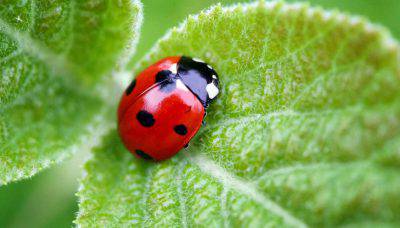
173	68
209	67
180	85
214	76
212	90
197	60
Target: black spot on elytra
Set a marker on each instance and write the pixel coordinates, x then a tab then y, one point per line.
130	87
166	80
180	129
163	75
145	118
143	155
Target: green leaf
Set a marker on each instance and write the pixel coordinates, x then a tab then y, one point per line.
306	131
45	200
54	56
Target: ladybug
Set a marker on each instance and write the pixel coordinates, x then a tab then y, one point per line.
164	106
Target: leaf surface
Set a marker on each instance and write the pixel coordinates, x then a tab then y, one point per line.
305	132
55	57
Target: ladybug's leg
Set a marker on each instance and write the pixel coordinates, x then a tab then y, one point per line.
186	146
203	122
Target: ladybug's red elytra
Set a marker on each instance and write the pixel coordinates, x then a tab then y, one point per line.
163	108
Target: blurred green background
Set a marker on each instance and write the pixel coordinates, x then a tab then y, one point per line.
48	199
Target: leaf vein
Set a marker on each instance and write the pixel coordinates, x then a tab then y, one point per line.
35	49
182	199
233	182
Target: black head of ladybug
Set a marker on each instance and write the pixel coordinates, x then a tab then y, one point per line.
200	78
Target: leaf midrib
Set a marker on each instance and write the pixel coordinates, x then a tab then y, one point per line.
231	181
